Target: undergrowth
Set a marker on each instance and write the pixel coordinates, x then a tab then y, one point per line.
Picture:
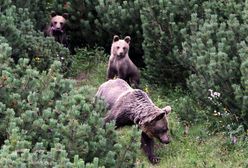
198	146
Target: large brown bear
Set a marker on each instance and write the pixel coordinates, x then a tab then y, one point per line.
129	106
120	65
56	28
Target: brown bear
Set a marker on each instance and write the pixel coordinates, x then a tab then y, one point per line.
120	65
128	106
56	28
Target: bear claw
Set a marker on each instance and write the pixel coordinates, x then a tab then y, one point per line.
154	159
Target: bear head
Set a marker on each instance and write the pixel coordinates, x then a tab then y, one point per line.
120	47
158	126
58	22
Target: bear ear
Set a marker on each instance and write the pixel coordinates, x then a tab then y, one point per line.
127	39
53	13
159	117
65	15
167	109
116	38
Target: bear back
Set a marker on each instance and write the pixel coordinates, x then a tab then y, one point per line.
111	90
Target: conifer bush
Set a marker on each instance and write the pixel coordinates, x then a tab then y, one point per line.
28	42
39	10
46	120
215	51
161	24
86	59
200	44
96	22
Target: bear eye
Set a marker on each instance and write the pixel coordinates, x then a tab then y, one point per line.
55	22
61	23
118	47
124	48
161	130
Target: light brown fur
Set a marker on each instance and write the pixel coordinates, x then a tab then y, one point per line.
120	65
111	90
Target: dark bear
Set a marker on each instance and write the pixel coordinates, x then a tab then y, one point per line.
120	65
128	106
57	27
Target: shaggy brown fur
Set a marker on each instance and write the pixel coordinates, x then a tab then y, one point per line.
111	90
120	65
129	106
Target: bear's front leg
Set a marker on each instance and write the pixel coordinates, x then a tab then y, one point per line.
147	144
111	71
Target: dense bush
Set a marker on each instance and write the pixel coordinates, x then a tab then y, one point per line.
28	42
45	119
96	22
161	22
86	59
215	51
153	26
39	11
201	44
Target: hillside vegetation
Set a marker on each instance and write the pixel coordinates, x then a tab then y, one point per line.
201	147
192	54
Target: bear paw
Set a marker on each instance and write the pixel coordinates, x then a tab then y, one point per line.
154	159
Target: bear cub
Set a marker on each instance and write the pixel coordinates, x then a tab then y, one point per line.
57	27
128	106
120	65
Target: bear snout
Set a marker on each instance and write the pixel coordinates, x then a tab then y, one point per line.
165	139
57	30
121	55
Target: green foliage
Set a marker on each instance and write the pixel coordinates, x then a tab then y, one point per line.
161	22
39	11
86	17
47	121
130	140
200	149
86	59
26	42
215	51
96	22
153	26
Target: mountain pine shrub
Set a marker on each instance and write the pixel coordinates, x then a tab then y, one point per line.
47	121
215	51
28	42
86	59
96	22
161	24
39	11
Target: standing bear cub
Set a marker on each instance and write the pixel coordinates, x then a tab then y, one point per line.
129	106
120	65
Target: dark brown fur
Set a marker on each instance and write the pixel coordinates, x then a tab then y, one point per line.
57	30
133	106
120	65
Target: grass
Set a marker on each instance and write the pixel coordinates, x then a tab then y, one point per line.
199	149
195	151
